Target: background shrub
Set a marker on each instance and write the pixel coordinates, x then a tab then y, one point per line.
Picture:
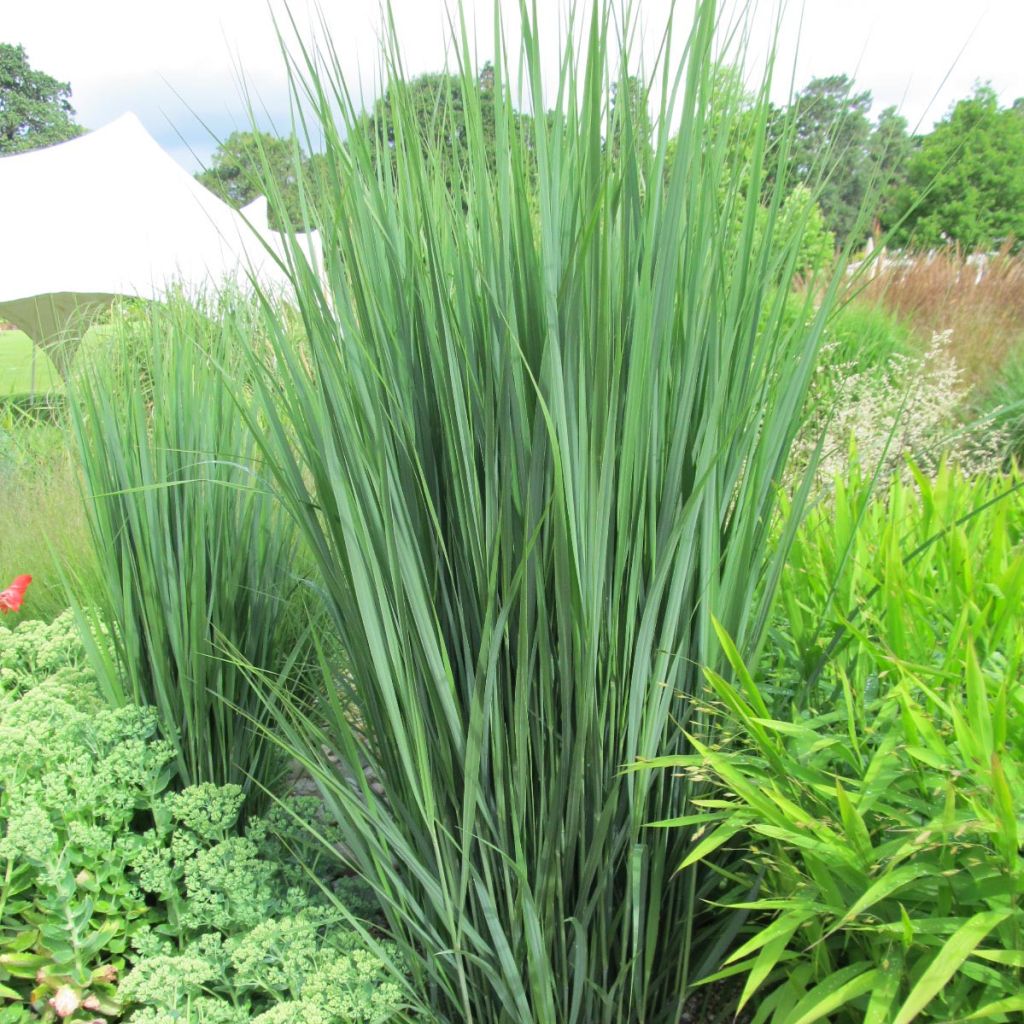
895	408
45	532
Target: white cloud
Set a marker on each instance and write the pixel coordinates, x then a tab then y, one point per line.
178	66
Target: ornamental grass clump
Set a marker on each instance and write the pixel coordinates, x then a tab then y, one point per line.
980	299
198	567
537	441
902	407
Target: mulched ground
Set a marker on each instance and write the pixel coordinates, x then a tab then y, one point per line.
716	1004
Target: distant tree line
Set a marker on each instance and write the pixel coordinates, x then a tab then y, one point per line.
961	183
35	109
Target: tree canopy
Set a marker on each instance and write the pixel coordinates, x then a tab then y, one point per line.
35	109
889	151
966	182
239	167
630	118
830	131
438	104
963	183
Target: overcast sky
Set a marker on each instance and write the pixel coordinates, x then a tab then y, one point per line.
178	65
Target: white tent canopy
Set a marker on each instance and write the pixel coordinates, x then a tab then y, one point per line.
110	213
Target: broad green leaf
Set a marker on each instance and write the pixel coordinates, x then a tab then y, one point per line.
768	958
853	825
978	712
841	988
885	990
710	843
883	888
1007	957
1011	1004
947	961
1006	811
784	926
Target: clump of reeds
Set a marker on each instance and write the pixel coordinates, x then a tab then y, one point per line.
198	568
537	444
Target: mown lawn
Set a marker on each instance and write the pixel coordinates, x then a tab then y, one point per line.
16	366
16	362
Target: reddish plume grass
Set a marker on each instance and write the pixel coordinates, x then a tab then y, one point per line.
979	299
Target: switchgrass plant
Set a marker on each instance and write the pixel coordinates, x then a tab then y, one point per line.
536	443
877	803
199	569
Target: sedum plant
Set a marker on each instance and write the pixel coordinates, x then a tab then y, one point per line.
73	773
120	896
37	649
304	968
534	442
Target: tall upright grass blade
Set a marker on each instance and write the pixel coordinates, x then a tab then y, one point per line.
535	444
198	566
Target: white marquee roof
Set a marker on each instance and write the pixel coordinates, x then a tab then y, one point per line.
111	213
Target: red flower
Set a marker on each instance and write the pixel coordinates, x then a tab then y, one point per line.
11	598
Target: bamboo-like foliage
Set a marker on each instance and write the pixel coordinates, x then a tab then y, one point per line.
197	563
536	444
883	816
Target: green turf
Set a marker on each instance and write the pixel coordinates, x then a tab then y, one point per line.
16	363
16	350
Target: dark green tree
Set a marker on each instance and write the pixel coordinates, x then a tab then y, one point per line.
966	182
730	127
890	149
630	117
437	103
829	150
35	109
240	167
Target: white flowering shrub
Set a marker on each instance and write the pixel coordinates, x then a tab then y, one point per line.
121	899
909	406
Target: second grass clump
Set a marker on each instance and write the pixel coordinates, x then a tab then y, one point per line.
198	567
